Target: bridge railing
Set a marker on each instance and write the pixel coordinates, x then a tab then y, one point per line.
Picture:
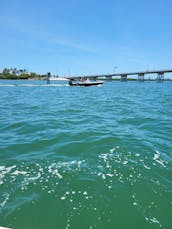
123	76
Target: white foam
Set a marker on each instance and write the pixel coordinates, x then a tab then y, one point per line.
157	158
55	172
134	203
156	155
6	195
125	162
34	85
34	178
17	172
112	150
146	167
8	169
2	168
153	220
161	162
103	176
66	164
103	156
7	85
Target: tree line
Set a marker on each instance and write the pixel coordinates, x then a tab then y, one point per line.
14	73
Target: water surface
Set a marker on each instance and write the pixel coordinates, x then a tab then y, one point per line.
97	157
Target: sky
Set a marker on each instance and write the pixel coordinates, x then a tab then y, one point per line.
82	37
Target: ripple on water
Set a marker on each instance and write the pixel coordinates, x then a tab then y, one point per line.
58	163
109	176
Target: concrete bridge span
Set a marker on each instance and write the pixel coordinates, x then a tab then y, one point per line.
124	75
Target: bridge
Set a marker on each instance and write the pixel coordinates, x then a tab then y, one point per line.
124	75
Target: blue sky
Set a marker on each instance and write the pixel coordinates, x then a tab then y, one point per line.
86	36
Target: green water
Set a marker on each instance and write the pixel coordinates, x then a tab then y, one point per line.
97	157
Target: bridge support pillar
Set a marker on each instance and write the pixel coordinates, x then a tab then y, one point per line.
160	77
108	77
48	77
94	78
124	78
141	77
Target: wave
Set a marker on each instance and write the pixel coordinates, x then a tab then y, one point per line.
34	85
113	172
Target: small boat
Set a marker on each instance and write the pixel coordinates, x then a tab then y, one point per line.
84	83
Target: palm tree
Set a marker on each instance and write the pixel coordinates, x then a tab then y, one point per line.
24	71
6	71
14	71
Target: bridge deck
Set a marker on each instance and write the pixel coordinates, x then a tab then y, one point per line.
124	74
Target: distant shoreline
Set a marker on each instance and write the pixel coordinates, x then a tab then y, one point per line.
20	74
24	79
129	79
23	74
